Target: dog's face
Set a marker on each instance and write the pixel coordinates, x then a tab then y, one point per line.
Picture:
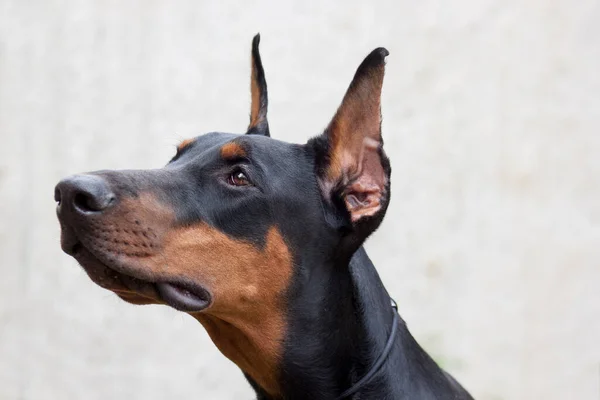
211	229
223	230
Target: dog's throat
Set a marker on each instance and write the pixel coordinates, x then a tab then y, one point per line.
254	346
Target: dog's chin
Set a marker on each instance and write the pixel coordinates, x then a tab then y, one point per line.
134	290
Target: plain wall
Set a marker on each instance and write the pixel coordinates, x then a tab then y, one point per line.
491	245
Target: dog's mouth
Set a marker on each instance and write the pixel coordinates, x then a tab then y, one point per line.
113	274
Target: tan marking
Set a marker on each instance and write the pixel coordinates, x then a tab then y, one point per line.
247	319
184	144
232	150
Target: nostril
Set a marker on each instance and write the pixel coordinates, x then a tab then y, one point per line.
57	195
88	203
85	202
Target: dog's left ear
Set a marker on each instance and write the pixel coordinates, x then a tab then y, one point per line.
351	165
258	87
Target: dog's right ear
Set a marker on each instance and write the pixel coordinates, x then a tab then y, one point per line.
258	87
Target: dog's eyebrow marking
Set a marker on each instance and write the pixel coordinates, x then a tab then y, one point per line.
185	143
232	150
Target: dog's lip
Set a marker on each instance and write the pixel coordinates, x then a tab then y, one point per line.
181	296
184	297
118	281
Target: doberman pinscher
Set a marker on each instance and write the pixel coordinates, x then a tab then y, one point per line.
261	242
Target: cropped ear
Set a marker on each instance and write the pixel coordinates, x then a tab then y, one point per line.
351	163
258	87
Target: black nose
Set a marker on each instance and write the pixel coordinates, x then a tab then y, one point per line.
84	194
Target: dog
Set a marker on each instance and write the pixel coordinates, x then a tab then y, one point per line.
261	242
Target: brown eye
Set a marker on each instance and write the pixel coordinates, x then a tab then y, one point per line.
238	178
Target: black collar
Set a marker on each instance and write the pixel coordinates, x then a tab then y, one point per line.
380	360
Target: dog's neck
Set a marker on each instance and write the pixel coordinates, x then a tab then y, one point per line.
340	322
331	352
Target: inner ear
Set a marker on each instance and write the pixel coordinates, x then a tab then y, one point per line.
353	162
365	194
258	88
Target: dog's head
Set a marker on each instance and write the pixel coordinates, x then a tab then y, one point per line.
225	227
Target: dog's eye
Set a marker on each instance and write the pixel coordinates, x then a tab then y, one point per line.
238	178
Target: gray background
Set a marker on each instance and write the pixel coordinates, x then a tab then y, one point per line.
491	118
